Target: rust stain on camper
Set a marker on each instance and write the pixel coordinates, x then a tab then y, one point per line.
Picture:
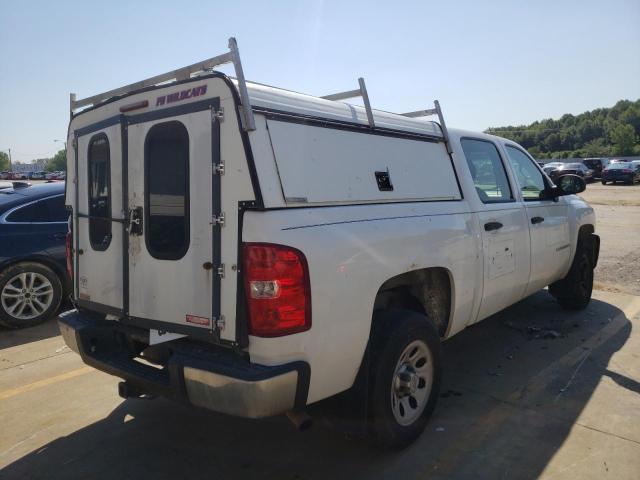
134	248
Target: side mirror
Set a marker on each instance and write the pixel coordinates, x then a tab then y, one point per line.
572	184
567	185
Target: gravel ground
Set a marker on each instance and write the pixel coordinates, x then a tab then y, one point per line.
618	224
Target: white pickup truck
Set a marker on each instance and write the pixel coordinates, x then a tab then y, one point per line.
253	250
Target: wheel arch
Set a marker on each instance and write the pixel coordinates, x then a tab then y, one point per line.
428	291
588	238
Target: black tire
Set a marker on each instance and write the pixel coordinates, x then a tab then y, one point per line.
10	321
394	331
573	292
603	182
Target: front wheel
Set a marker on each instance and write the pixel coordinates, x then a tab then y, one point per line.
573	292
405	376
603	182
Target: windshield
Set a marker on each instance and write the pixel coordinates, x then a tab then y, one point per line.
618	165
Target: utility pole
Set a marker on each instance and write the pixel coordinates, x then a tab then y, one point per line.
10	168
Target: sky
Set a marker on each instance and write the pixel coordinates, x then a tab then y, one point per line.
490	63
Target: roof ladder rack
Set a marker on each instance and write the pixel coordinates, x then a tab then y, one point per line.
433	111
361	92
184	73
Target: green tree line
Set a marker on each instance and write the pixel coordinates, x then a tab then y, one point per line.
4	161
58	162
603	132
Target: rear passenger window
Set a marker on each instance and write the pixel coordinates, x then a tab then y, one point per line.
487	171
99	192
166	166
33	212
56	208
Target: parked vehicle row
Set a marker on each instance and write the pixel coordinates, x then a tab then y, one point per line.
35	175
607	170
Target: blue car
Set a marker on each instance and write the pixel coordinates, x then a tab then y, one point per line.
33	271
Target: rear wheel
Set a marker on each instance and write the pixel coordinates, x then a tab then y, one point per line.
603	182
405	376
573	292
30	293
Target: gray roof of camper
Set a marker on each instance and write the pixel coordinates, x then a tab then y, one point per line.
266	97
279	99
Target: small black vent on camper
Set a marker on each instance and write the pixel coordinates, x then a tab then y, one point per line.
384	181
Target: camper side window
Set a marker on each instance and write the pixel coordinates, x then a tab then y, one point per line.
99	192
166	169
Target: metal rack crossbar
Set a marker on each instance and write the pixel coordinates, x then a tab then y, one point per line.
433	111
360	92
184	73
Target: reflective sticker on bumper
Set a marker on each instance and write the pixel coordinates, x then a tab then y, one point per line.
198	320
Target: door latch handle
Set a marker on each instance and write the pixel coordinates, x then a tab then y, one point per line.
135	221
535	220
490	226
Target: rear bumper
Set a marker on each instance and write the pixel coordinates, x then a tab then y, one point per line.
618	178
216	379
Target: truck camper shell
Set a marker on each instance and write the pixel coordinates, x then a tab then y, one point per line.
250	146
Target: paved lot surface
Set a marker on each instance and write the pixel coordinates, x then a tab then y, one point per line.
514	404
618	216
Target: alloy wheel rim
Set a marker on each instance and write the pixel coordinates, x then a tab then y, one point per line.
27	295
411	383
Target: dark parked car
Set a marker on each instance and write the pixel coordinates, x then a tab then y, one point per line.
549	170
571	168
597	165
33	273
625	172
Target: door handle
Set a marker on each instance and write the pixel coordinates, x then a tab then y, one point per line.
492	226
535	220
59	236
135	221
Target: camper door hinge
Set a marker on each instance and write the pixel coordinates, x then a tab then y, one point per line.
219	322
219	168
218	220
221	270
74	142
217	115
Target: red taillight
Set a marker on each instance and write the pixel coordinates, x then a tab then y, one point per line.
68	248
276	282
626	170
